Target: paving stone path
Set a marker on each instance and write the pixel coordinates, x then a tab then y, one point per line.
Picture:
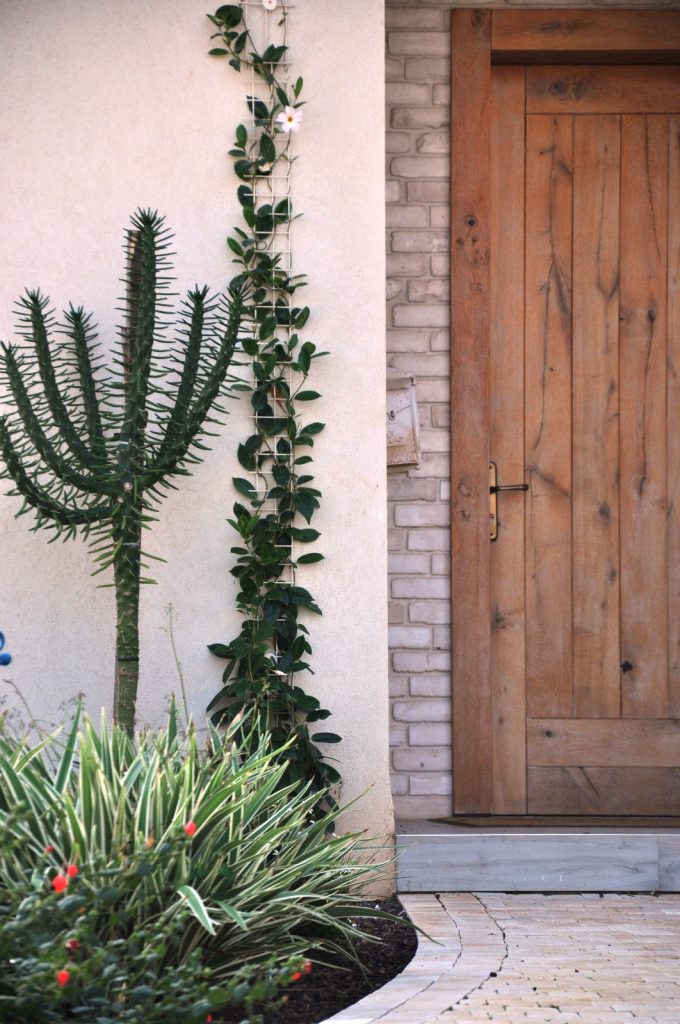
519	958
585	958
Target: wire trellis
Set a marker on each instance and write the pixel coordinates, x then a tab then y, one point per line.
266	27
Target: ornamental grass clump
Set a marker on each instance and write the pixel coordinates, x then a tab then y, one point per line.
151	878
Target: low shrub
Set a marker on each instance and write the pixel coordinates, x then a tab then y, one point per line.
155	879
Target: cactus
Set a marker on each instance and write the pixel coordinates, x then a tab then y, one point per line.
91	448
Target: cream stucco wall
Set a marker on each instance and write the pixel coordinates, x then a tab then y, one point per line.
109	107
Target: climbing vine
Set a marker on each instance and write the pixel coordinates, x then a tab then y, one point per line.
272	649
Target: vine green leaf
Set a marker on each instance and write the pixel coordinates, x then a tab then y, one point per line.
243	486
230	15
258	109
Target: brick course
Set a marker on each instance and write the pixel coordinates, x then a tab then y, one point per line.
418	186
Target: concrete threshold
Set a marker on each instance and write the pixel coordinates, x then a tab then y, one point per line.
438	857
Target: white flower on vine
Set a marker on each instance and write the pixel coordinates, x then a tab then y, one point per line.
269	5
289	119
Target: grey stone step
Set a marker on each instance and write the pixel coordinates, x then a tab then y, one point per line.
435	857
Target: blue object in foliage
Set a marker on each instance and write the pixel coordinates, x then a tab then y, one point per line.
5	659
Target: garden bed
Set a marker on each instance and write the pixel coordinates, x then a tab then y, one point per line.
326	990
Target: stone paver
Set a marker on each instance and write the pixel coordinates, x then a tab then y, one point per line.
535	959
590	958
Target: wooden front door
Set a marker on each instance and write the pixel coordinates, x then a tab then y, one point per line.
566	337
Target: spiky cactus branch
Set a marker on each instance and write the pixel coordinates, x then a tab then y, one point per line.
93	448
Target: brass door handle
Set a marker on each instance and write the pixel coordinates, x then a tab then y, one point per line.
494	489
508	487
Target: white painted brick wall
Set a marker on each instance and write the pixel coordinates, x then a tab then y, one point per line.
418	183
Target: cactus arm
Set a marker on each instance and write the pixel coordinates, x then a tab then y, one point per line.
35	305
197	413
185	389
77	331
38	498
146	242
37	436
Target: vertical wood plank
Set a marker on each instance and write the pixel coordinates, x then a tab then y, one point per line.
644	608
470	110
508	687
673	418
595	431
548	415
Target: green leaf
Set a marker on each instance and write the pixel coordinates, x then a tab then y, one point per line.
258	109
273	54
234	246
305	354
302	317
307	396
235	915
244	486
326	737
313	428
241	136
317	716
297	88
67	757
230	15
267	149
304	535
220	650
197	907
217	52
310	558
243	169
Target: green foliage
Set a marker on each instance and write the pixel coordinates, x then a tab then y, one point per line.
93	447
265	660
130	974
202	881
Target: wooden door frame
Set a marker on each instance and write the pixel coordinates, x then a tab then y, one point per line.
481	38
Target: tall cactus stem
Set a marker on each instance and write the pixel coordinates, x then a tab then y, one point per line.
126	573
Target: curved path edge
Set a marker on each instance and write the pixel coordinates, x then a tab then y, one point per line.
469	948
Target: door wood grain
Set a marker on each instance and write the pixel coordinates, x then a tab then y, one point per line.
566	373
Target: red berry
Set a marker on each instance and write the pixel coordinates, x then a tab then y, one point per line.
209	1018
59	883
63	977
72	945
190	828
307	968
72	870
296	976
49	849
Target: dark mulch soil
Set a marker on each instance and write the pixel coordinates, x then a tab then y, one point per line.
326	990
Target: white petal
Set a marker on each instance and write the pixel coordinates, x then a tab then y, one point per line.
269	5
